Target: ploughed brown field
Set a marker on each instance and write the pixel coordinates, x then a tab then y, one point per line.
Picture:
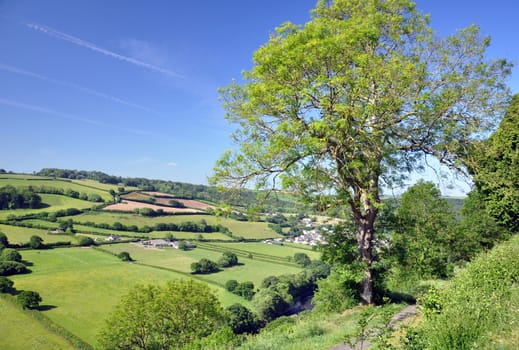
126	205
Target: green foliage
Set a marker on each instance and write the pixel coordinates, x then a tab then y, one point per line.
36	242
231	285
13	198
124	256
423	241
228	259
479	306
204	266
28	299
86	241
269	304
360	94
9	254
496	174
6	285
4	241
8	268
340	291
242	320
172	316
302	259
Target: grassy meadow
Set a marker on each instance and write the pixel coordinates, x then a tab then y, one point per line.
54	203
30	334
249	230
78	186
17	234
249	269
80	286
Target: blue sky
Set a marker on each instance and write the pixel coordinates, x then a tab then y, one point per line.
130	87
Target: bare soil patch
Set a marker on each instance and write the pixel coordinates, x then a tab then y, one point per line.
131	206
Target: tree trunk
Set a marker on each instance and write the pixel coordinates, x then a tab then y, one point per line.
365	246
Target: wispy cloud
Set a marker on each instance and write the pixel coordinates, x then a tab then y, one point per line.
86	90
80	42
171	164
39	109
143	51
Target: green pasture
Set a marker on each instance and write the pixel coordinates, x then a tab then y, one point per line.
21	331
80	186
249	230
188	235
249	270
102	186
17	234
55	202
23	177
269	249
82	285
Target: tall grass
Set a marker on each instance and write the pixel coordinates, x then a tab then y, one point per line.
480	309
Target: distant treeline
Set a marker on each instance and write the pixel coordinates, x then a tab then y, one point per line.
245	198
13	198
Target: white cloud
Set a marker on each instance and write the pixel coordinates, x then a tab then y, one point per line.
144	51
172	164
80	42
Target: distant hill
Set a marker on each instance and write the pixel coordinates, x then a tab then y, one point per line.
244	198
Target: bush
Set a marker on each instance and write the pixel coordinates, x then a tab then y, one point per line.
242	320
6	285
9	254
8	268
85	241
480	303
204	266
36	242
231	285
28	299
124	256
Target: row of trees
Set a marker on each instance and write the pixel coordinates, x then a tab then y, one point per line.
206	266
186	226
14	198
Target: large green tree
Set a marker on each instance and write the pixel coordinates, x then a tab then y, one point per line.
167	317
424	241
355	99
495	164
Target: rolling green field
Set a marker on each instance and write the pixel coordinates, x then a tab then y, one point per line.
30	334
253	270
81	286
55	202
251	230
17	234
79	186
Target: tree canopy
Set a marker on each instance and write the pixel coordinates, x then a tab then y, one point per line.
171	316
354	100
495	164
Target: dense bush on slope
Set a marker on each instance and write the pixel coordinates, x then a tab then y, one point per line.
480	308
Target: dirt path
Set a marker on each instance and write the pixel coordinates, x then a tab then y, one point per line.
400	317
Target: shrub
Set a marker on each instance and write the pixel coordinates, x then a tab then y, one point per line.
480	303
9	254
242	320
28	299
124	256
8	268
231	285
6	285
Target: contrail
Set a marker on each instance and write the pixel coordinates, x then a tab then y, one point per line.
80	42
75	86
7	102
